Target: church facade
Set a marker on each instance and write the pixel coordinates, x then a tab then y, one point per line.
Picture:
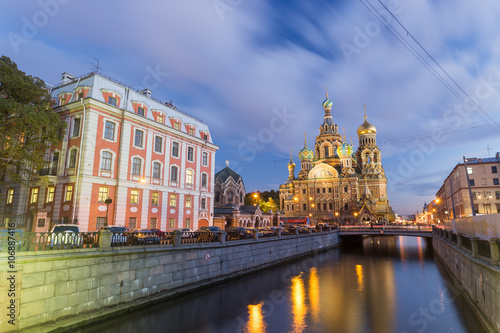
337	184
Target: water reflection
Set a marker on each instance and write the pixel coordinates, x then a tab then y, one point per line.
299	307
256	323
359	273
314	294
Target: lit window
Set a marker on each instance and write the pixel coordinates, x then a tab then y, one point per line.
10	196
156	170
138	138
69	193
152	223
134	197
34	195
72	159
203	203
173	173
109	130
132	223
175	149
204	178
188	222
160	118
188	202
171	223
204	159
469	170
106	160
189	176
173	200
191	131
76	127
190	154
140	111
177	125
50	193
103	194
154	198
158	144
112	100
136	166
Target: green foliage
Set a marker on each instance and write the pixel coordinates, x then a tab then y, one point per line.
28	126
266	200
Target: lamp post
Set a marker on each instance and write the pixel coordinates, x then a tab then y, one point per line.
107	202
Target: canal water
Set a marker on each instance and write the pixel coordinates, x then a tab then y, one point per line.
374	284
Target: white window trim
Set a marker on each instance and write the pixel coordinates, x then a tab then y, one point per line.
132	165
208	158
152	168
192	176
170	173
113	156
104	130
178	150
143	138
69	157
187	153
162	144
201	180
73	127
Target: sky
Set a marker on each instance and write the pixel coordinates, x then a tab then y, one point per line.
256	72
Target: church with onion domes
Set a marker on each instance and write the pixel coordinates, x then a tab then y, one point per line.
337	184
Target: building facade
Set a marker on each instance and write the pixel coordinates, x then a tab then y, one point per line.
482	174
126	159
336	183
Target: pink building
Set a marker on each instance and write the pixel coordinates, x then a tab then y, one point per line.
126	159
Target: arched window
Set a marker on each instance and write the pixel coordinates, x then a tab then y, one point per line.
173	173
189	176
230	196
136	166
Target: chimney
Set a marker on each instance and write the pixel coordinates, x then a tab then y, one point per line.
66	78
498	155
146	92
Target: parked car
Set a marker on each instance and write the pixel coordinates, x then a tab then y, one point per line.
159	233
185	232
290	228
209	233
266	231
252	230
238	233
284	232
142	236
65	235
118	233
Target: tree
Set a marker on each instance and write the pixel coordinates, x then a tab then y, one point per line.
28	125
266	200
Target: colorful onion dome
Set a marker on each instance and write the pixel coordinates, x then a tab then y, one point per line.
344	150
327	104
306	153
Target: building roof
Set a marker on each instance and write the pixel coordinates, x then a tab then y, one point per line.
225	173
99	82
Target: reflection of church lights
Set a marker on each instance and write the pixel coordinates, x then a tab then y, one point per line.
402	246
420	250
314	293
299	308
256	323
359	273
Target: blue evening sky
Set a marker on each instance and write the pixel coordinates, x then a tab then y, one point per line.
256	71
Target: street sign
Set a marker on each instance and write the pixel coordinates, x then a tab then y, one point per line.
207	257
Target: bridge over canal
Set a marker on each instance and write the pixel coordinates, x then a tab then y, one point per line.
415	231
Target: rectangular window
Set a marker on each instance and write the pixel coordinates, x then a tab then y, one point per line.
69	193
203	203
191	131
134	197
34	195
132	223
317	190
329	190
189	176
173	200
303	191
138	138
156	170
152	223
10	196
173	174
188	222
474	195
171	223
41	223
106	160
79	96
103	194
204	178
136	166
330	206
50	193
140	111
99	223
345	189
469	170
188	201
495	181
109	130
494	169
76	127
154	198
471	182
324	206
112	100
175	149
304	207
72	159
497	194
324	190
159	118
204	159
158	144
190	156
177	126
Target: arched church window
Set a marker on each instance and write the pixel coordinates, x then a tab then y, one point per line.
230	196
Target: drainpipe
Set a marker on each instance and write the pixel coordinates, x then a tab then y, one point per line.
77	186
470	190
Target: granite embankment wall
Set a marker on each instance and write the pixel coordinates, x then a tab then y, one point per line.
65	287
478	277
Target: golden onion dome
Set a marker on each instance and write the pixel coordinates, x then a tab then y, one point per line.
367	128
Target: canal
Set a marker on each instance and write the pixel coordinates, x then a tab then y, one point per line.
372	284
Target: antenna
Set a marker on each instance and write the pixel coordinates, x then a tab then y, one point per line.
96	65
488	149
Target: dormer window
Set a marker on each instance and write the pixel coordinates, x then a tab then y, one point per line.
140	108
177	126
140	111
112	100
111	97
191	131
160	118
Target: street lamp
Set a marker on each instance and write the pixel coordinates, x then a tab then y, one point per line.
107	202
